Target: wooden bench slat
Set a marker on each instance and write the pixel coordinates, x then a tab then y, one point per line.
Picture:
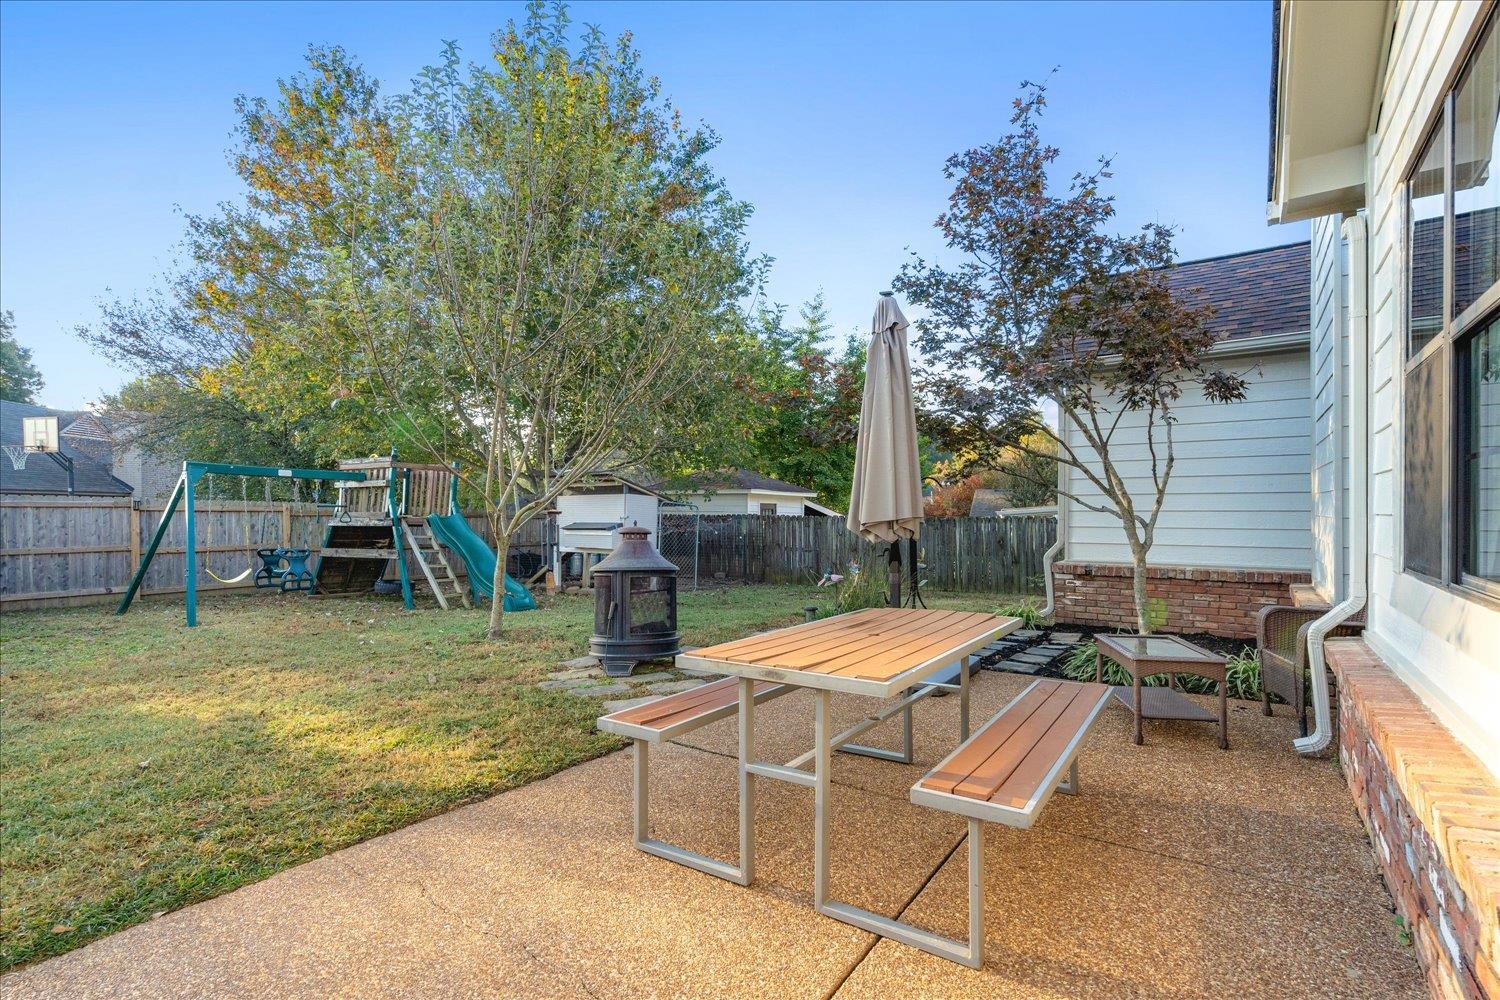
1008	771
713	692
1027	777
980	745
688	712
1005	757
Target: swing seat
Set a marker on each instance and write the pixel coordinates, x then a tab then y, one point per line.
296	576
272	567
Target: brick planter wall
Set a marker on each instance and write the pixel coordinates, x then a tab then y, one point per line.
1216	601
1433	814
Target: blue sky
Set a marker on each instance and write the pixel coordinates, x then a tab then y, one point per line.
835	120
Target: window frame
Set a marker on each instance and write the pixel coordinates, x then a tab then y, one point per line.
1450	338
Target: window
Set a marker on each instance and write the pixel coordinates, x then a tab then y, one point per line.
1426	233
768	508
1451	419
1479	451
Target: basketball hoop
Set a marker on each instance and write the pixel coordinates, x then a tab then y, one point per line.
17	455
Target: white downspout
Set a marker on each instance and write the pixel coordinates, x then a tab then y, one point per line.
1057	546
1354	230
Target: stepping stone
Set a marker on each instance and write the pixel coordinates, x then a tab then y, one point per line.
655	675
578	663
1018	667
672	687
1067	638
1040	661
620	704
601	690
1029	634
568	684
574	674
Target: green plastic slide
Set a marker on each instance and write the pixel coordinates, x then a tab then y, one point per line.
454	532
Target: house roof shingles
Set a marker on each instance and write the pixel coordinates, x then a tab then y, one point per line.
1257	293
744	479
42	474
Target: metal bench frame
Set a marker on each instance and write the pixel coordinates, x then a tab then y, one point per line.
978	812
644	736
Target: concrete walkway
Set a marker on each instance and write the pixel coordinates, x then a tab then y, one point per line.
1181	871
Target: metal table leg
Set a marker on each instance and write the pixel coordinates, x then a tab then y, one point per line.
963	701
971	953
747	780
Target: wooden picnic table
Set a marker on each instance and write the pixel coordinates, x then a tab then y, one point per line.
879	653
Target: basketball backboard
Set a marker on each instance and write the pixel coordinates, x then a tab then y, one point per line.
39	433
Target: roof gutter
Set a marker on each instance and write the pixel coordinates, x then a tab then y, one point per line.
1355	231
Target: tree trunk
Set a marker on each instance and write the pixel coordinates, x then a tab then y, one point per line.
1142	619
497	582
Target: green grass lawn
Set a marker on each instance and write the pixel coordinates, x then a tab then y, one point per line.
145	766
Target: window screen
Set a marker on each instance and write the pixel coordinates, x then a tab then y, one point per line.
1476	189
1425	244
1479	422
1423	510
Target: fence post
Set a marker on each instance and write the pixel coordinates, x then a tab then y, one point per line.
286	525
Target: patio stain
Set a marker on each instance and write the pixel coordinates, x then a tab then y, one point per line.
1174	874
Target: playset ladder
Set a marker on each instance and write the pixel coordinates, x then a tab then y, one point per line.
434	563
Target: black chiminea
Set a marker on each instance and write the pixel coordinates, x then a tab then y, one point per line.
635	605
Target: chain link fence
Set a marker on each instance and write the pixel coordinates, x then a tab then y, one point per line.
679	538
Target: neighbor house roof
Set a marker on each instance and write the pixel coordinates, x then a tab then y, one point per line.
1254	293
986	503
42	474
743	481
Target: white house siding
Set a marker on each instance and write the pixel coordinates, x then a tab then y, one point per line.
1329	359
1444	645
1239	496
747	502
719	503
787	505
641	509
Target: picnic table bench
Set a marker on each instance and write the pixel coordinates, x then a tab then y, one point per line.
1004	773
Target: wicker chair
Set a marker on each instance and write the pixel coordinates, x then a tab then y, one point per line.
1281	634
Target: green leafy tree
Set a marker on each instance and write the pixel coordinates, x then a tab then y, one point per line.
20	380
1046	301
526	266
807	402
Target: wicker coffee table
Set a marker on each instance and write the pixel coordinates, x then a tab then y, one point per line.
1143	655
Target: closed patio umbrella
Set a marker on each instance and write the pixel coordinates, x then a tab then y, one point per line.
885	504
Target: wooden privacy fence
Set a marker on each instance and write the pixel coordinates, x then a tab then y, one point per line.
984	554
69	550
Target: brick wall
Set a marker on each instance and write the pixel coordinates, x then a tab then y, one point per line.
1216	601
1433	814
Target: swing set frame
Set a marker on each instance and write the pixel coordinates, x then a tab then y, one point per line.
183	493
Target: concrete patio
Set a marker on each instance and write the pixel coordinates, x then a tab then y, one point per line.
1181	871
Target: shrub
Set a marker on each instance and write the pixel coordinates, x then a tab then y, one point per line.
1027	609
857	590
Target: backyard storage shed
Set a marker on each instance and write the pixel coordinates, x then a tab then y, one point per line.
589	514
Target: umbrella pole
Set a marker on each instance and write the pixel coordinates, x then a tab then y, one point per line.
916	574
893	574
